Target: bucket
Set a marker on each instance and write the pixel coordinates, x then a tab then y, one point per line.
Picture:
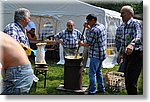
73	73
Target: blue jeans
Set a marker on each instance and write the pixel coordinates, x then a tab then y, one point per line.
96	76
17	80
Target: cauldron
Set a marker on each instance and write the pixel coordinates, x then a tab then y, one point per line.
73	73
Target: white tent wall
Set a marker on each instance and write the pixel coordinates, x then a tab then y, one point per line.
58	13
41	20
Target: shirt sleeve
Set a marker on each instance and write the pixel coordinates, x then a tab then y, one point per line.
12	32
58	36
137	34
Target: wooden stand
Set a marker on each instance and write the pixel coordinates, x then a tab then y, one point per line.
41	68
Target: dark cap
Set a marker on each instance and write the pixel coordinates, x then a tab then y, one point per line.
91	16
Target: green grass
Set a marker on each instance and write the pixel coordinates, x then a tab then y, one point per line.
55	77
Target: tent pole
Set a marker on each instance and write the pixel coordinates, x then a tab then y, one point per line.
39	27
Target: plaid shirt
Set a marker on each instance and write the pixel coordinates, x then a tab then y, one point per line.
70	39
118	37
130	33
97	39
16	31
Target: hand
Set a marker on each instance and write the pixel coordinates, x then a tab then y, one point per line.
86	25
60	41
129	49
80	43
119	59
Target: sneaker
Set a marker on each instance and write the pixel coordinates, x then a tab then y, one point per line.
87	93
101	92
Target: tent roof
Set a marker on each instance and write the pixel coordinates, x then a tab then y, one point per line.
55	8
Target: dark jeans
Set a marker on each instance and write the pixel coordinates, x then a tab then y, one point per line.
121	67
133	65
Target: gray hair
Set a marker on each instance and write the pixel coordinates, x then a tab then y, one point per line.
70	21
21	13
128	8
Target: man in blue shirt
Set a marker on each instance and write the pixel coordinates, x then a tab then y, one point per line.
69	38
96	40
17	29
131	49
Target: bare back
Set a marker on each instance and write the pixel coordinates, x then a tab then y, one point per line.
12	53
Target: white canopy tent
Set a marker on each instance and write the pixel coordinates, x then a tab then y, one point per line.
51	16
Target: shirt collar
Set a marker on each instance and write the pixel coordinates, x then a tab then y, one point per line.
94	24
128	21
23	29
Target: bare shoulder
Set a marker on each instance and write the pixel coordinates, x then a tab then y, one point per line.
4	36
8	40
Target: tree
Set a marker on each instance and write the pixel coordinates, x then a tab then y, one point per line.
137	6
